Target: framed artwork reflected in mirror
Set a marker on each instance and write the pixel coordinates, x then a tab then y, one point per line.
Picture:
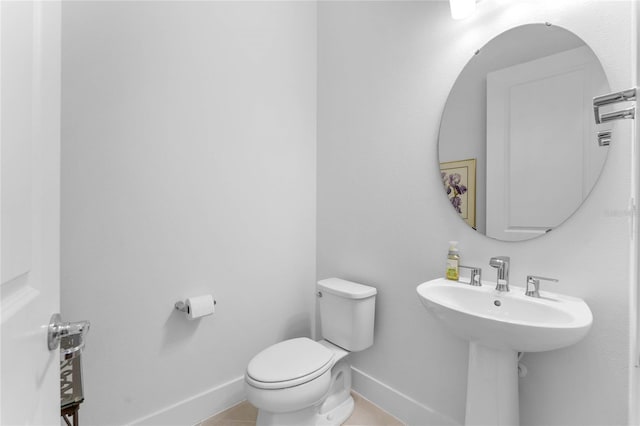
459	180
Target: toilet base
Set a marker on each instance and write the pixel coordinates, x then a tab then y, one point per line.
308	416
333	410
338	415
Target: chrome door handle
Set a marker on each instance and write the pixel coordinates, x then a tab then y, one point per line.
59	329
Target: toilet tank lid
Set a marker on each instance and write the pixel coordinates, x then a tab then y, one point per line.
347	289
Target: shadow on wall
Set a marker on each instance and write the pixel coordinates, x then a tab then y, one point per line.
297	326
178	329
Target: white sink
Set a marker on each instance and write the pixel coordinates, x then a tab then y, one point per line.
507	320
498	325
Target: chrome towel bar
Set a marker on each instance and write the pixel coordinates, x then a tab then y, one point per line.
618	115
613	98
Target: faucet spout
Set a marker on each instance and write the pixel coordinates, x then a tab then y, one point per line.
502	264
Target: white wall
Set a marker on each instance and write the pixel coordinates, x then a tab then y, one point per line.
385	70
634	295
188	167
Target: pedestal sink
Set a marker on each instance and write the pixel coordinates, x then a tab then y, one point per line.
498	325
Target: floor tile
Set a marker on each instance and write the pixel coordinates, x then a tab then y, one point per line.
242	414
365	413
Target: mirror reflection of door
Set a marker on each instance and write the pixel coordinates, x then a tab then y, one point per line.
539	168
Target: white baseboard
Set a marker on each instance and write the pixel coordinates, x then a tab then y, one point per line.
399	405
199	407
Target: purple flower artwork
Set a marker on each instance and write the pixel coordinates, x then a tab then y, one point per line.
455	188
459	181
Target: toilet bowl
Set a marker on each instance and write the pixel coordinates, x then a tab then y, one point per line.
300	382
303	382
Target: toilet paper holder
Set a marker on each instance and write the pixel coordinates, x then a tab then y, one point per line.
182	306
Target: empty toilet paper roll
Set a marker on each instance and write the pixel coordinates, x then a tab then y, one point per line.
200	306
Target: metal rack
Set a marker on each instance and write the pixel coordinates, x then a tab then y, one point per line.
71	391
613	98
629	95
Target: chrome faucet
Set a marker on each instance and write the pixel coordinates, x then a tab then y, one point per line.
502	264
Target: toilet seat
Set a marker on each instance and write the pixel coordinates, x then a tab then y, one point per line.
289	363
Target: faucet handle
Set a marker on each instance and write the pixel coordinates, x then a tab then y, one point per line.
476	275
533	285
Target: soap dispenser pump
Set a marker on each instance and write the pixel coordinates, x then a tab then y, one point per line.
453	262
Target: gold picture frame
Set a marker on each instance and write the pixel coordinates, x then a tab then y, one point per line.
459	180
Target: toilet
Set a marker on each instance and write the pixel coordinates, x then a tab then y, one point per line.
303	382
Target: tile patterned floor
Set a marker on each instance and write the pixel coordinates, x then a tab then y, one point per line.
365	413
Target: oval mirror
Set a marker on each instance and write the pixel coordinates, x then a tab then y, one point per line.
517	147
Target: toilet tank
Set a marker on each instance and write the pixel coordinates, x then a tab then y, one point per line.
347	312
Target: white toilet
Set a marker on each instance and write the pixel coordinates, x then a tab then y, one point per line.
302	382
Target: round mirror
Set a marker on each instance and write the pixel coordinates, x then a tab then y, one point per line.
517	147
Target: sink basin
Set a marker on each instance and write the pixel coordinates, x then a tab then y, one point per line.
498	325
507	320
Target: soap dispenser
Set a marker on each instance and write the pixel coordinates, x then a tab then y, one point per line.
453	262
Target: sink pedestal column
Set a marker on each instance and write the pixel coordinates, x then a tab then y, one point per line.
492	387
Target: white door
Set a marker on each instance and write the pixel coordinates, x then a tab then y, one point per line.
542	155
29	210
